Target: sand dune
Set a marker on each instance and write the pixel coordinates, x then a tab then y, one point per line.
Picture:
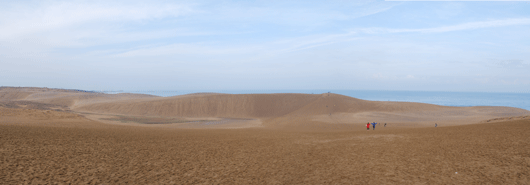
11	93
55	151
209	105
42	118
296	109
62	97
271	109
53	136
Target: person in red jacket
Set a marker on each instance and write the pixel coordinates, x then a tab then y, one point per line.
368	126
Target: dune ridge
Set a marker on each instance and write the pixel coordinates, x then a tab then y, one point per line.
272	109
52	136
281	109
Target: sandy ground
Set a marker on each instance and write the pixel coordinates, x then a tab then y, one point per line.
84	138
490	153
174	122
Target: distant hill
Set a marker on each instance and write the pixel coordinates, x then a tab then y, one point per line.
277	109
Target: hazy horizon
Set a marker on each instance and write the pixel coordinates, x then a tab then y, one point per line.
265	91
444	98
450	46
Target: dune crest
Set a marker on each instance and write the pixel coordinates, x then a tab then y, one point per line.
271	109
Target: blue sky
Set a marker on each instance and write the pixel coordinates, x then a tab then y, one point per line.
253	45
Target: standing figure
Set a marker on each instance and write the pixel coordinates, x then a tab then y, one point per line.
385	124
435	124
373	125
368	126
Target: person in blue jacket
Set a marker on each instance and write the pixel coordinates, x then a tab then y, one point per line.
373	125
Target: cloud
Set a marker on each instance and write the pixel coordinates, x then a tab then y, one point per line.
42	25
307	42
286	41
309	14
456	0
473	25
458	27
41	16
512	64
239	51
184	49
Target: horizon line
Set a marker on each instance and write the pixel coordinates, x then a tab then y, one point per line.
221	90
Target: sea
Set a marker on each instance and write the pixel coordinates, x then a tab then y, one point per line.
459	99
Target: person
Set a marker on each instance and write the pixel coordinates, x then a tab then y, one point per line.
385	124
373	125
368	126
435	124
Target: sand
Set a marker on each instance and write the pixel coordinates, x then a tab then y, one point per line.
53	136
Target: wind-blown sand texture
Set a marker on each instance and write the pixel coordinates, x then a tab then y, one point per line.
65	136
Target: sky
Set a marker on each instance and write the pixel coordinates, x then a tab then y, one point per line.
461	46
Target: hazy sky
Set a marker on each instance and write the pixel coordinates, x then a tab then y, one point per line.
252	45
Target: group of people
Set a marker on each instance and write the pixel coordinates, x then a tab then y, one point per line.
373	125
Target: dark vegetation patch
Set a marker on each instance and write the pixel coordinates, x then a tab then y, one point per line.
147	120
31	105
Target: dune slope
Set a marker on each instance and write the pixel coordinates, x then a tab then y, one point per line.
297	109
273	109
